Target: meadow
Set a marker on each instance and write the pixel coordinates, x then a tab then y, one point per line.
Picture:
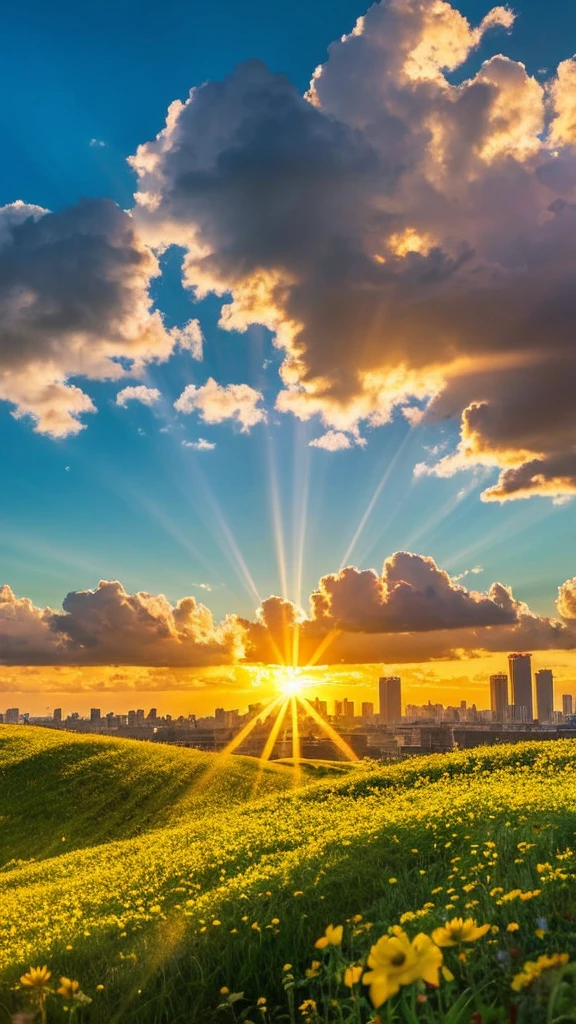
176	887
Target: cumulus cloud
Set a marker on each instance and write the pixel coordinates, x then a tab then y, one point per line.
140	393
74	302
566	602
336	441
216	403
110	626
412	611
405	236
190	338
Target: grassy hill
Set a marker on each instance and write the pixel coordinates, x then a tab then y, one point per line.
156	908
61	791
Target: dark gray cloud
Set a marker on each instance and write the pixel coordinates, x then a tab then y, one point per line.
403	236
74	302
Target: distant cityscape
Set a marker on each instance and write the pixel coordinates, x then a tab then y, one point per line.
513	714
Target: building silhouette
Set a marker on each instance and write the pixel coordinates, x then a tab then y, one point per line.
367	709
521	680
567	704
499	696
544	694
57	716
390	698
348	708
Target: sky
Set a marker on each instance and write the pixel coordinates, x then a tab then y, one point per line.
295	374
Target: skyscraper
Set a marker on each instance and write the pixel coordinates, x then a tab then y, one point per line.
567	704
348	708
521	679
367	709
57	716
337	709
390	695
499	695
95	716
544	694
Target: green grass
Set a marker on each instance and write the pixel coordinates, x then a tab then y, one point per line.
93	789
166	890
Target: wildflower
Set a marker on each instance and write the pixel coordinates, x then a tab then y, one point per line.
36	977
68	988
532	969
307	1008
99	988
457	930
512	926
332	937
287	967
392	881
224	991
298	892
261	1001
216	922
352	976
314	970
447	974
395	961
275	920
255	927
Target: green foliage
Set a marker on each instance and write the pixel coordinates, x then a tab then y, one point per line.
216	875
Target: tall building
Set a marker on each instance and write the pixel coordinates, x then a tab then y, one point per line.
12	716
57	716
544	694
367	709
521	679
132	719
567	704
95	716
337	709
390	697
499	696
321	706
348	708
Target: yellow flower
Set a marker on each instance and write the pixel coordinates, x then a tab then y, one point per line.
224	991
457	930
287	967
68	988
308	1006
395	961
447	974
332	937
392	881
352	975
532	969
36	977
261	1001
512	927
314	970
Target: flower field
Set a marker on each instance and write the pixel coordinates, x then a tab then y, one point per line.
441	889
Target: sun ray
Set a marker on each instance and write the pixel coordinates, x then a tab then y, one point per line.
296	755
247	729
277	521
371	504
337	740
323	646
274	732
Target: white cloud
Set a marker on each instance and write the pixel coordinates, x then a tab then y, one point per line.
201	445
139	393
336	441
216	403
189	338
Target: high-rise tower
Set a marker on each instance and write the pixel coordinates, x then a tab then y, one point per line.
521	680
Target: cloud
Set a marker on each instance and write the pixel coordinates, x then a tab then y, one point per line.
74	302
97	144
566	602
189	338
411	612
216	403
336	441
110	626
407	237
140	393
201	445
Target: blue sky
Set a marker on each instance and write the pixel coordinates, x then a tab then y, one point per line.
125	499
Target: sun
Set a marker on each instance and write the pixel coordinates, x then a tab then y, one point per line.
290	682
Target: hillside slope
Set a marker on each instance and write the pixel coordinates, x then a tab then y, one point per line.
232	893
60	791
